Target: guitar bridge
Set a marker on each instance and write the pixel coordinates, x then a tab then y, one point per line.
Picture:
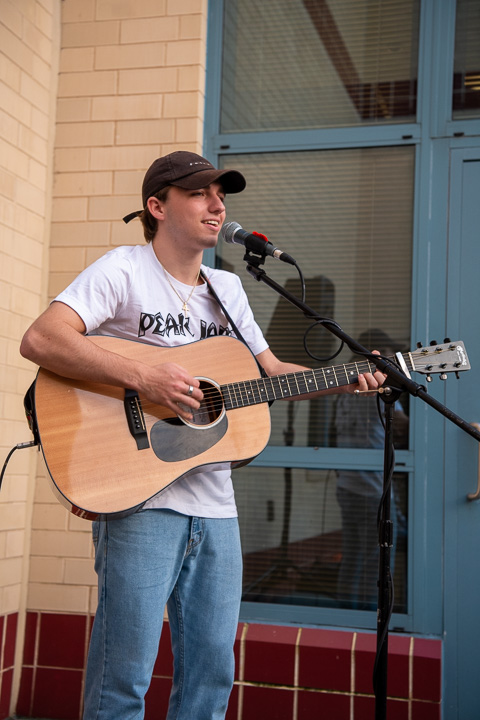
135	419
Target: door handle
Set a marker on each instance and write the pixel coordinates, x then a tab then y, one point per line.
476	494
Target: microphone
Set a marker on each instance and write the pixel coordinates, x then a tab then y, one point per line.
232	232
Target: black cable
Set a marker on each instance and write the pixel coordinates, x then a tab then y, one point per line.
20	446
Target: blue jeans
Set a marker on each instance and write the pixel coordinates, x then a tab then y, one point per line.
144	562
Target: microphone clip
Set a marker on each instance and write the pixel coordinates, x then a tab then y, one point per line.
254	259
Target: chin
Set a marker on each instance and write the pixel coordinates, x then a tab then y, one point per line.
211	242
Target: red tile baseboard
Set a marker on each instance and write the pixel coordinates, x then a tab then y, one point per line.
293	672
8	639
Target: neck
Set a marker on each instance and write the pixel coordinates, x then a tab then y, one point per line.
185	270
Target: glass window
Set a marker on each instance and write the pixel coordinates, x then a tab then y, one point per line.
466	75
291	64
346	217
309	539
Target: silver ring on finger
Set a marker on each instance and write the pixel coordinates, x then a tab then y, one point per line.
190	390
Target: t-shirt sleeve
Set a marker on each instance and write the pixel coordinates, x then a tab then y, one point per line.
98	292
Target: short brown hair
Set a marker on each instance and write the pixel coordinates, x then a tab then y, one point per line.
150	224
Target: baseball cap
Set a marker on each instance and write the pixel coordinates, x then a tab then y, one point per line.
186	170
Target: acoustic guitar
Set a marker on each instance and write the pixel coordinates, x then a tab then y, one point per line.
108	450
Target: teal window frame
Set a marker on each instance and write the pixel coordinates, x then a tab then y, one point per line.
433	135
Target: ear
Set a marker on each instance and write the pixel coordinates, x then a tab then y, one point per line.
156	207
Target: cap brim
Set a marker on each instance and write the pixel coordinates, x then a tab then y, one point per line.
232	181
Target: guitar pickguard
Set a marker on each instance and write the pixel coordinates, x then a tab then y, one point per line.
173	441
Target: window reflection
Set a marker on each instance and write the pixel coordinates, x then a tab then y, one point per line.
346	217
291	64
292	542
310	537
466	76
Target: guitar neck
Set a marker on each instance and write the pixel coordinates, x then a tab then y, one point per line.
434	359
278	387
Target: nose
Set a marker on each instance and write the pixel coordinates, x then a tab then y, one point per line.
217	203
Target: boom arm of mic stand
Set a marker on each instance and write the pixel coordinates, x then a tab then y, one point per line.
395	375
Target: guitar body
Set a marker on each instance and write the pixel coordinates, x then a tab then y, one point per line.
93	459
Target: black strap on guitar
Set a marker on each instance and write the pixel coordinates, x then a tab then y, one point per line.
227	315
30	413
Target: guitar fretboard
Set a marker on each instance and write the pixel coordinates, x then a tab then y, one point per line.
253	392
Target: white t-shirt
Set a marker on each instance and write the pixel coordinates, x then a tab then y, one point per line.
126	294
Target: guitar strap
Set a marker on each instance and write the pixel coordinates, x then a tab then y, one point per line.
227	315
31	415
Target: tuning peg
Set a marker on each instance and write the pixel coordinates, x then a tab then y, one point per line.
433	342
447	340
457	375
443	376
419	344
429	378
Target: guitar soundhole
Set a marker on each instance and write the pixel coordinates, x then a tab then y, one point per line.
211	410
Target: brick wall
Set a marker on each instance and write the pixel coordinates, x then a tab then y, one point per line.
29	51
130	88
92	92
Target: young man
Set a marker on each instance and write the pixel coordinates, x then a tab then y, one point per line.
182	549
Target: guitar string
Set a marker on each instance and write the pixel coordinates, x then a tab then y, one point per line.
361	366
212	391
291	376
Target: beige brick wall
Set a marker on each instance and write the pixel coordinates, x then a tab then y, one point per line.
130	88
92	92
29	54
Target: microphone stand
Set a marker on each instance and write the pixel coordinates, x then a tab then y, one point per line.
398	382
385	543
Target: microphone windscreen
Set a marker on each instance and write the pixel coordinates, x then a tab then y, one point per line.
228	230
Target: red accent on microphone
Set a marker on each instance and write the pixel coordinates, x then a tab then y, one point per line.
264	237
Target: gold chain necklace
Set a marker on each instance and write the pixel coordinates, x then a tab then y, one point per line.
183	300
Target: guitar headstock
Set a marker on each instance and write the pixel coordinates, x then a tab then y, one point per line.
439	359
